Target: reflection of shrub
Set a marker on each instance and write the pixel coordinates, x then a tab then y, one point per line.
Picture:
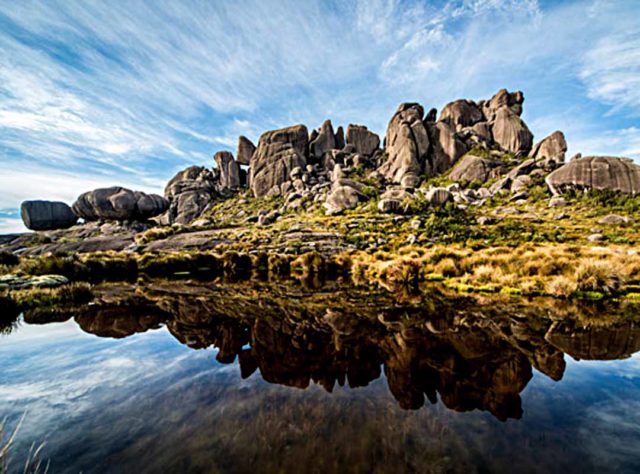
310	263
236	265
598	276
9	313
115	267
279	265
175	264
404	274
69	266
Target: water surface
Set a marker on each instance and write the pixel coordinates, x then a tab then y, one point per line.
197	378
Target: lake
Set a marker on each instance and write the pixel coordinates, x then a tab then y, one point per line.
255	377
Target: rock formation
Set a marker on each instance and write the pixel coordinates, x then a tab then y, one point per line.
461	113
120	204
476	169
245	150
596	172
364	141
551	149
190	192
277	154
47	215
228	169
406	146
323	142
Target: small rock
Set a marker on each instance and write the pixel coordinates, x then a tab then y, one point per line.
614	219
415	224
557	201
486	220
561	216
595	238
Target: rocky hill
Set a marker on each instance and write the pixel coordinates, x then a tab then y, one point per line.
470	178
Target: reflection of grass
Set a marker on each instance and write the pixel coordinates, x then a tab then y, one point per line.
9	313
33	464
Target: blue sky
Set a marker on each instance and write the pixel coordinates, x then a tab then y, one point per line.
99	93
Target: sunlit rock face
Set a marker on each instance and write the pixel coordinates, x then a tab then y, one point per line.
118	204
190	192
277	154
596	172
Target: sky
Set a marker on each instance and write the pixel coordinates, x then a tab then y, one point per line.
117	92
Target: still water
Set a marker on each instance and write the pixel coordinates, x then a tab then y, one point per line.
185	377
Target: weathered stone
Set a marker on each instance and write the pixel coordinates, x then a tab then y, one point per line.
595	238
511	133
190	193
118	203
521	183
596	172
407	144
245	150
19	282
476	169
504	99
229	170
47	215
557	201
438	197
551	149
447	147
364	141
278	152
340	143
325	141
461	113
393	200
614	219
341	198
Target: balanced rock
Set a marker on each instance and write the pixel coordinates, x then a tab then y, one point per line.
190	192
245	150
47	215
119	204
364	141
551	149
461	113
596	172
229	170
476	169
407	144
278	152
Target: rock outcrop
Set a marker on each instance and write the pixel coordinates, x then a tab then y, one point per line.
447	146
190	192
228	169
550	149
461	113
323	142
119	204
277	154
245	150
596	172
407	146
365	141
511	133
476	169
47	215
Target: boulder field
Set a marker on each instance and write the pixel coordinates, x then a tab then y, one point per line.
478	149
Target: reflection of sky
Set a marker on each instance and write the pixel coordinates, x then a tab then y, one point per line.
148	403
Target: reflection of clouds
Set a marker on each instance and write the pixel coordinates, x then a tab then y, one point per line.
611	433
625	368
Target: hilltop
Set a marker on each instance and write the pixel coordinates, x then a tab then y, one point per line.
466	196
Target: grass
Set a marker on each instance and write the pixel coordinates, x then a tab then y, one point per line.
72	294
34	464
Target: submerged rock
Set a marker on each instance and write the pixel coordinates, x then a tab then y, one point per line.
47	215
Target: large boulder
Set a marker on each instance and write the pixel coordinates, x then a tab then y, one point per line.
364	141
278	152
461	113
323	142
228	169
596	172
119	204
190	192
47	215
551	149
407	145
476	169
503	99
447	146
511	133
245	150
341	198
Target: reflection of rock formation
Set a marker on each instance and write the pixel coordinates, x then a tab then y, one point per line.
471	357
596	343
118	321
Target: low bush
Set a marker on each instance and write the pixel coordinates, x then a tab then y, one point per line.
598	276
